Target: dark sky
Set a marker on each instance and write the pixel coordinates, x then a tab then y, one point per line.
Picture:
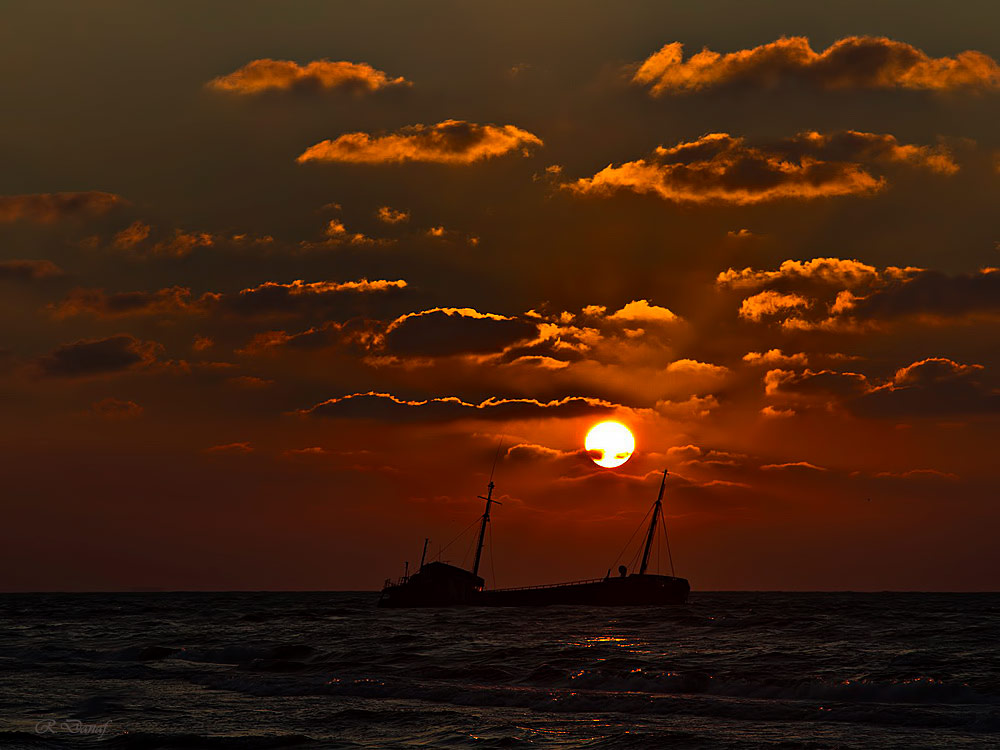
275	278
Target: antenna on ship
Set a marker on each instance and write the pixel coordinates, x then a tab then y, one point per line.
652	528
486	514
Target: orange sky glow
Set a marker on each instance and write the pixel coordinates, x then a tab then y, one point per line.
273	291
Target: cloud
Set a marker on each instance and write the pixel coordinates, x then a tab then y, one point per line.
388	215
775	357
846	273
137	238
202	343
274	297
695	407
823	384
919	474
86	357
259	76
98	303
445	331
30	270
116	409
930	295
774	413
848	295
769	303
46	208
641	311
268	298
933	387
855	62
720	168
448	142
793	466
384	406
694	367
131	235
337	233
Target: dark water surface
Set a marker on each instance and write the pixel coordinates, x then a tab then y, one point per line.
318	670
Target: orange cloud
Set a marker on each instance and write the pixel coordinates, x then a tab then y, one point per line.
448	142
695	407
337	233
848	273
694	367
132	235
46	208
381	406
768	303
775	357
641	311
389	215
265	74
720	168
861	62
794	465
868	297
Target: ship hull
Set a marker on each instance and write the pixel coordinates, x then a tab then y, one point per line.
629	591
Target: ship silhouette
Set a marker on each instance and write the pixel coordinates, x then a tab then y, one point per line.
439	584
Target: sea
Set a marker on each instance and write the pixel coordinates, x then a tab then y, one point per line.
330	670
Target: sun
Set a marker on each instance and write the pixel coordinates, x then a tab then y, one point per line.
613	441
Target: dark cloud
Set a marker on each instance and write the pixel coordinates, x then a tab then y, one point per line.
933	387
720	168
384	406
930	294
446	331
98	303
46	208
298	296
99	356
259	76
448	142
822	384
847	295
861	62
269	298
28	269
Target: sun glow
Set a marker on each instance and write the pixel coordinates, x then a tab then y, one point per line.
613	441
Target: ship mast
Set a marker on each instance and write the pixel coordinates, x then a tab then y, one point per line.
652	525
482	527
486	514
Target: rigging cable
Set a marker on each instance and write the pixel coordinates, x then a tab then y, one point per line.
667	539
641	524
493	570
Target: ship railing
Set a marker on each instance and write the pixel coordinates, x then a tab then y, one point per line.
551	585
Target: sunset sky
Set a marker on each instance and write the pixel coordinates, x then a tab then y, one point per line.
276	278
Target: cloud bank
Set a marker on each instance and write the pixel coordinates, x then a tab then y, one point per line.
448	142
855	62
